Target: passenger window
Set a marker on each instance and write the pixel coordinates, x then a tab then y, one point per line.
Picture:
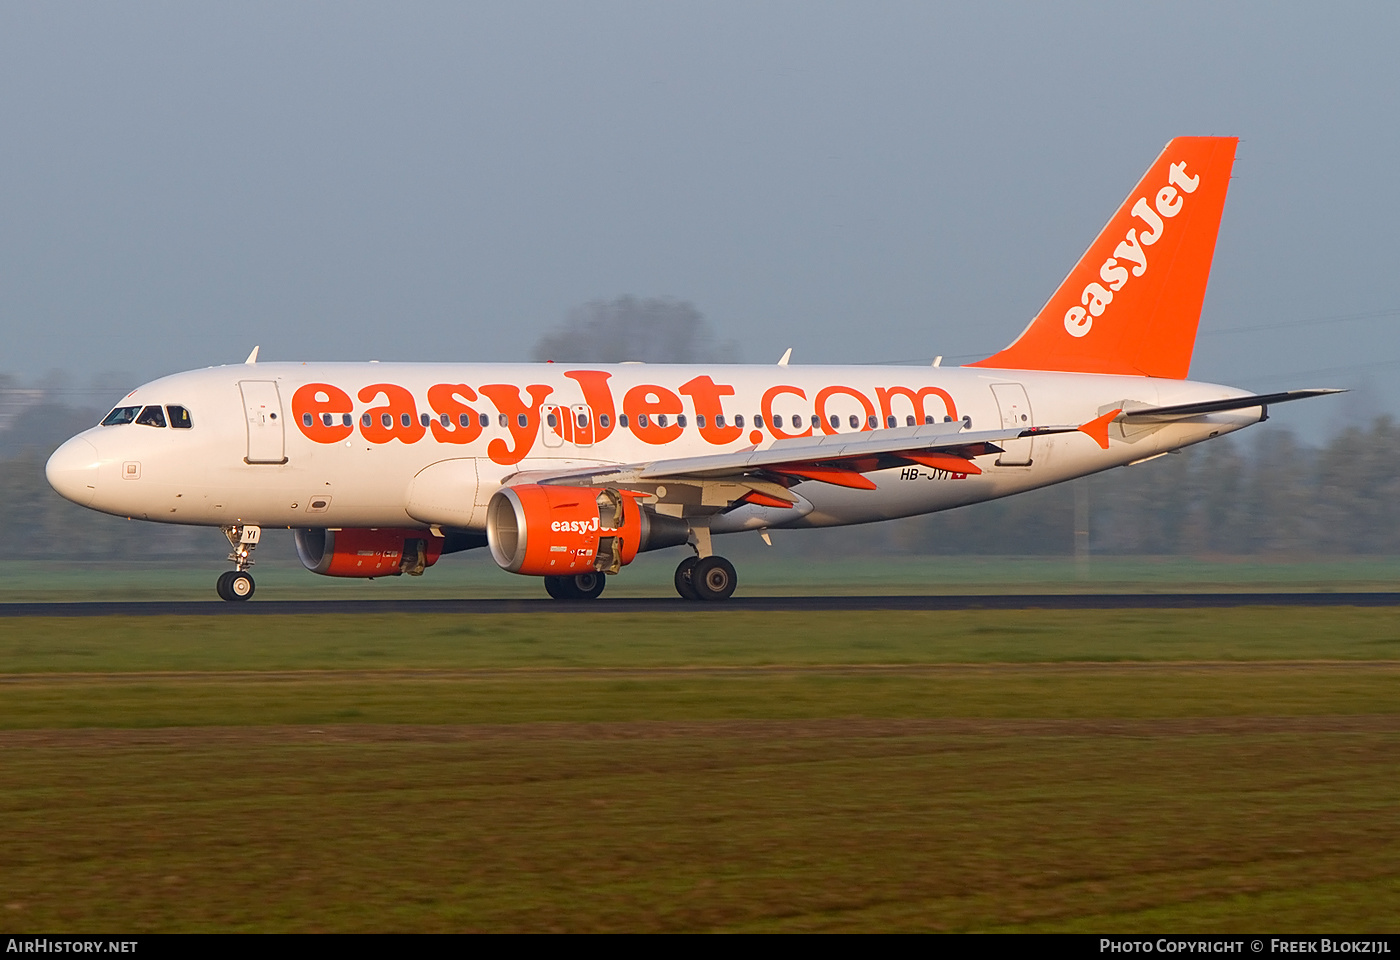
327	419
523	420
306	419
855	421
642	420
503	420
120	415
464	420
424	419
604	420
890	421
583	419
447	421
661	419
835	422
719	420
405	419
872	422
387	419
681	421
817	421
482	419
552	420
152	416
909	420
179	416
366	421
758	421
778	421
346	420
738	420
622	419
700	420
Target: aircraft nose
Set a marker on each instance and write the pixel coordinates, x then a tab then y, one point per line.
72	471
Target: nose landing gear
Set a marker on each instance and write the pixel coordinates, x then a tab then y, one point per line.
235	585
238	584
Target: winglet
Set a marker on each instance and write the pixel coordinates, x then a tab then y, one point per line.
787	355
252	357
1097	428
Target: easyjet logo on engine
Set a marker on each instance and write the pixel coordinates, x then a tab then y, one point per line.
574	526
1130	256
456	413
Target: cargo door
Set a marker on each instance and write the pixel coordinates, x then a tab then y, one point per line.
263	405
1015	409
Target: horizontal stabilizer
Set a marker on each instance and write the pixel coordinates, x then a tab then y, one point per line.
1097	429
1184	411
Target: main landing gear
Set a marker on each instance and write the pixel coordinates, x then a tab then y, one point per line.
705	576
584	586
708	578
238	584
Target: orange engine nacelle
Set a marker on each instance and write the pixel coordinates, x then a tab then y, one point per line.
380	552
545	531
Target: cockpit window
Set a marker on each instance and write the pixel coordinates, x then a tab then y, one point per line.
120	415
179	417
152	416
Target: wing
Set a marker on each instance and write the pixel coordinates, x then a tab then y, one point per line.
713	483
764	476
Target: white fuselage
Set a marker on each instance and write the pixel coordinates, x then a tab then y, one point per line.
306	445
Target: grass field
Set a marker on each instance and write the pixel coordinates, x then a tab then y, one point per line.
783	571
1180	770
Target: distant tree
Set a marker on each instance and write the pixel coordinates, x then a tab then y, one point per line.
1355	502
658	330
36	523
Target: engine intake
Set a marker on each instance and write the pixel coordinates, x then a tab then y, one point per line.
376	552
544	530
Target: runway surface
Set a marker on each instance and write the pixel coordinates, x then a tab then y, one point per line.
1101	601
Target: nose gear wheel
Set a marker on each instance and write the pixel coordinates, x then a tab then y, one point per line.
235	585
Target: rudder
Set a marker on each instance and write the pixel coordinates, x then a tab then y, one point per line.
1132	303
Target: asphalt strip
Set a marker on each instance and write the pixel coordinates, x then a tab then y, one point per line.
1100	601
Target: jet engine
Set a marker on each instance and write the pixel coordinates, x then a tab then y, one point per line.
549	531
376	552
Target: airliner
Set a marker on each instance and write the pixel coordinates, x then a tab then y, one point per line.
568	471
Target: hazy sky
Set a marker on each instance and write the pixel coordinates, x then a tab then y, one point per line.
861	181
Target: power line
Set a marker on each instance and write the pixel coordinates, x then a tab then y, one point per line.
1308	322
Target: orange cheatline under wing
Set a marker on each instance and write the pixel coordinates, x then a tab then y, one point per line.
1132	303
764	500
832	475
944	461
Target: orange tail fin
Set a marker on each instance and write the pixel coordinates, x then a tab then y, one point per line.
1132	303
